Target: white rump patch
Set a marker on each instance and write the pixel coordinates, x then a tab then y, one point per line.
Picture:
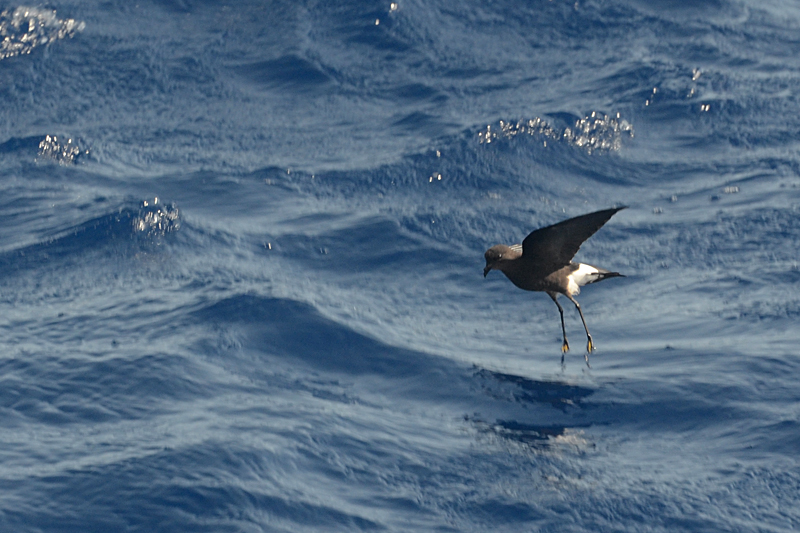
584	275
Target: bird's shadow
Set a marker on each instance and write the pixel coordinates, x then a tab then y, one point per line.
564	397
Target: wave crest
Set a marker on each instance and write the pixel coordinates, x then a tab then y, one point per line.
25	28
592	133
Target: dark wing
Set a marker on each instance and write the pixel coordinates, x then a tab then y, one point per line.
553	247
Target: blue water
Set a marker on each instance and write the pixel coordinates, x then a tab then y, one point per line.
241	253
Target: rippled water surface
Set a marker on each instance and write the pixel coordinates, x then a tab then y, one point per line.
241	253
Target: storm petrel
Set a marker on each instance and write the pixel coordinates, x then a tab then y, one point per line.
543	262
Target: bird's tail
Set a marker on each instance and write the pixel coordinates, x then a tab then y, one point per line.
585	274
604	274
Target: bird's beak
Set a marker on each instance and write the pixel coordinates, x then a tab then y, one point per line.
486	270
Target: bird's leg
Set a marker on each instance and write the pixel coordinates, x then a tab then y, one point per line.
589	344
565	346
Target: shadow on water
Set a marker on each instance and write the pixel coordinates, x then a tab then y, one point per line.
536	428
562	396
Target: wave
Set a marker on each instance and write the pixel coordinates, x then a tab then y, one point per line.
127	225
26	28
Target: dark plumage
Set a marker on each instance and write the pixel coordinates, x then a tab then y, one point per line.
543	262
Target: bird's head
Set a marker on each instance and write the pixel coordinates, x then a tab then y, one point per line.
493	256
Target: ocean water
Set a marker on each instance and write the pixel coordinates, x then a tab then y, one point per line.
241	259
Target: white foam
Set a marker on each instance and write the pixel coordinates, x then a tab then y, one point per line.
25	28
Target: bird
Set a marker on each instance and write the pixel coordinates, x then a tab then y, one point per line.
543	262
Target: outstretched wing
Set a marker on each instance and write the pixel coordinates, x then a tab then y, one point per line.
554	247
